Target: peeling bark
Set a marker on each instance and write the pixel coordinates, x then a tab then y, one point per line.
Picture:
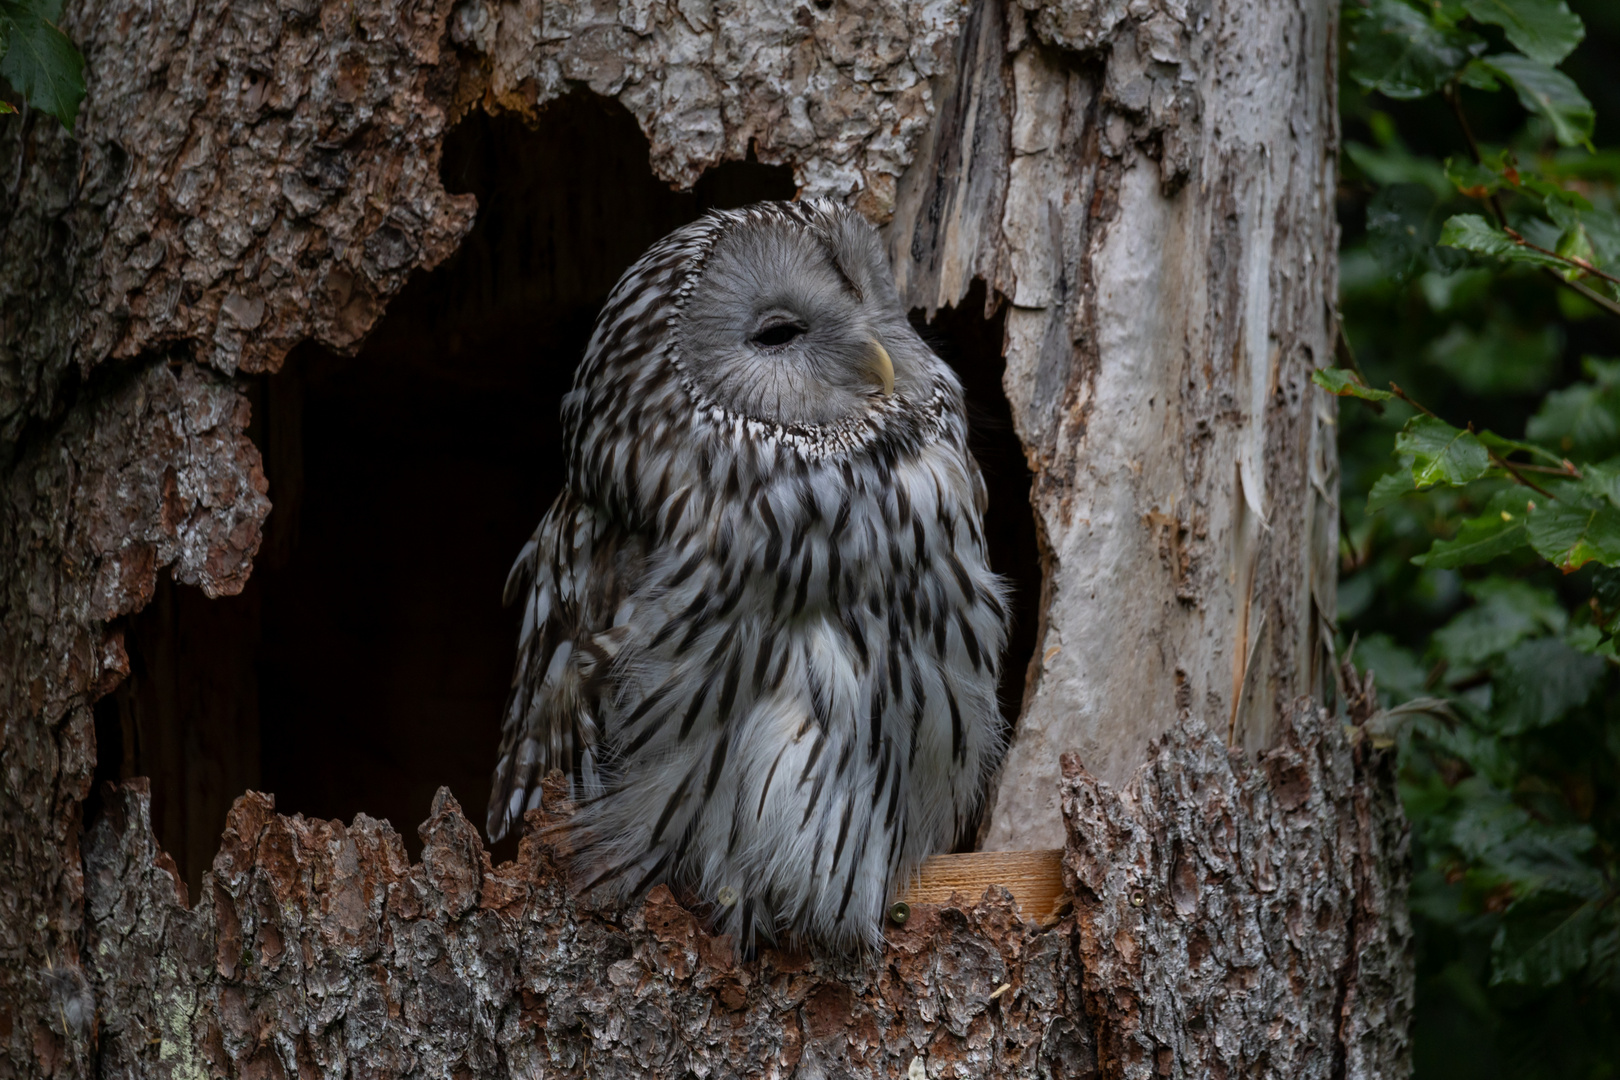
1144	187
1147	186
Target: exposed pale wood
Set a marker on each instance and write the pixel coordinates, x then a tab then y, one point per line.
1035	879
1166	241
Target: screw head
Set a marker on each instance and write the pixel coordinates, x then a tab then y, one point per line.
899	912
1138	898
727	896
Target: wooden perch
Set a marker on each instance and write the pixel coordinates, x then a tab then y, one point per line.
1035	879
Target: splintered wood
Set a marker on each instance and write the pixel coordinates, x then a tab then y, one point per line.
1035	879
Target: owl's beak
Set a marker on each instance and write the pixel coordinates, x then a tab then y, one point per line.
880	367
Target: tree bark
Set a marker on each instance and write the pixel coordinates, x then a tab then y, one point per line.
1229	919
1144	188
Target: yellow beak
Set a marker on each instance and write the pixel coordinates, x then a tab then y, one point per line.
880	367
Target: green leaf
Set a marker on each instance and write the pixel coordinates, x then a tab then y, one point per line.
1506	612
1471	179
1503	447
1606	591
1396	165
1346	384
1470	232
1541	680
1401	229
1501	838
1602	227
1571	532
1479	77
1576	246
1544	30
1548	940
1498	531
5	107
1399	675
1441	454
1583	419
1448	291
1389	488
1601	481
1550	93
41	62
1398	51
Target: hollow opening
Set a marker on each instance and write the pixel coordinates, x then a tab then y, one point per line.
367	660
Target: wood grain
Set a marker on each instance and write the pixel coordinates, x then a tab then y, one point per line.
1035	879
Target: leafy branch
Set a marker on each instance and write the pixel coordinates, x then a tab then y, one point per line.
1448	574
1579	524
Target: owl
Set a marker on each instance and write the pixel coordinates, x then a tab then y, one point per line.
760	631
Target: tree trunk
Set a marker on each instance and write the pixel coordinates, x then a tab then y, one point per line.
1149	187
1138	199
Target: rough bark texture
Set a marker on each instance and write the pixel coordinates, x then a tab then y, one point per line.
153	472
316	949
1145	184
1243	918
1230	919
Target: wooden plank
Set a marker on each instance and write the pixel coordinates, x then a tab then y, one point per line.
1035	879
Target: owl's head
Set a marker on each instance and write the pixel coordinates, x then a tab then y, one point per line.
794	317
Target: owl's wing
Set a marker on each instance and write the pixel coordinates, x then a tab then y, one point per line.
573	576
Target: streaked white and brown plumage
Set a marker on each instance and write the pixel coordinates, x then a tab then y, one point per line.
760	632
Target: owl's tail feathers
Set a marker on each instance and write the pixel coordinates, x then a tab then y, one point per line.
522	572
512	786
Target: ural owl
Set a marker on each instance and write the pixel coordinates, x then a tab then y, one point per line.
760	632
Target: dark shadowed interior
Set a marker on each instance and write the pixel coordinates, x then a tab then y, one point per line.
367	661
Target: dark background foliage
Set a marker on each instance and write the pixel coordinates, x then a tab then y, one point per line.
1478	199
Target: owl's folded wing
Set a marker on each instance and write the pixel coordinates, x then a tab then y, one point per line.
570	576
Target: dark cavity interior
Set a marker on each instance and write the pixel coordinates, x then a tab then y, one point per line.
368	659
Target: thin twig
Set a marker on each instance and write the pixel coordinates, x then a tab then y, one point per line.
1513	471
1454	99
1416	404
1496	459
1579	264
1590	294
1568	471
1355	366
